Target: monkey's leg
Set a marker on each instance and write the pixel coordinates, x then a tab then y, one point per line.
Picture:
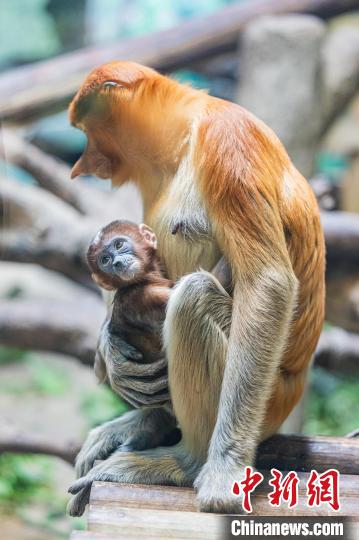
196	334
196	337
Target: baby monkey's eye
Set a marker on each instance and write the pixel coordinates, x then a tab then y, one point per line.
118	244
105	260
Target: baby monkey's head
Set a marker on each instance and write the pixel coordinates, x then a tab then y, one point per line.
121	253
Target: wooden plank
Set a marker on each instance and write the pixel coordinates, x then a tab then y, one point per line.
145	523
143	496
302	453
341	237
88	535
110	501
43	87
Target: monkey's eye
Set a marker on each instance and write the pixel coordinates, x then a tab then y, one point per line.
112	84
105	260
118	244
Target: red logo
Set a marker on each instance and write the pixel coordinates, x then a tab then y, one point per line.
321	488
247	486
284	489
324	488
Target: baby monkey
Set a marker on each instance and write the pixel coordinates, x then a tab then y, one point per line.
123	257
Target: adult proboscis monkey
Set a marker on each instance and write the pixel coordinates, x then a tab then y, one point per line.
215	181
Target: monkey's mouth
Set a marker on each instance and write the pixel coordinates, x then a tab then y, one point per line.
128	272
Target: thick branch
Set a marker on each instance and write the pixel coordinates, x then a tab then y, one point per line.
302	453
51	173
47	86
31	206
40	228
28	443
338	351
341	231
64	327
115	508
342	299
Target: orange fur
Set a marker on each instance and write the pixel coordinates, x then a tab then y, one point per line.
265	214
262	211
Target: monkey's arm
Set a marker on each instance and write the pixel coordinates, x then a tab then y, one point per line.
138	383
245	211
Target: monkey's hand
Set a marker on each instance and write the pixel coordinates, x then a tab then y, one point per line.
214	486
109	346
140	384
136	430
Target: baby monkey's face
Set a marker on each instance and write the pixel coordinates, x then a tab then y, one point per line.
117	258
121	253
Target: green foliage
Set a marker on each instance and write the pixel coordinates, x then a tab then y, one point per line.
47	379
333	166
27	480
188	76
8	355
333	404
14	292
27	30
101	405
23	478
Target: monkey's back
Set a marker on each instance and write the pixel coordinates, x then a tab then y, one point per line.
306	247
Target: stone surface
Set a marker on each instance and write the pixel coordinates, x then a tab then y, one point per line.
340	66
279	80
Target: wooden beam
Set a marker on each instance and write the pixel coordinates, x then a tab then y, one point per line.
341	236
303	453
122	506
141	511
338	350
88	535
36	89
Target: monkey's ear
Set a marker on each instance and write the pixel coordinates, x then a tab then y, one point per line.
92	162
102	282
148	234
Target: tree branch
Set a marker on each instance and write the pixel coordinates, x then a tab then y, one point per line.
40	228
65	327
51	173
30	91
341	230
28	443
338	351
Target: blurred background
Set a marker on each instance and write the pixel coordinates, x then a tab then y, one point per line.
294	64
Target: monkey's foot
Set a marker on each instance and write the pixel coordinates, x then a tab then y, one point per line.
156	466
214	486
136	430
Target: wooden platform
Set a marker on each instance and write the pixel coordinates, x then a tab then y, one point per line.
119	511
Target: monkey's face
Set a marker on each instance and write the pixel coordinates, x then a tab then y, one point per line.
118	260
124	108
121	253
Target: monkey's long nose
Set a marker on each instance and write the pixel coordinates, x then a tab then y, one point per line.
117	264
